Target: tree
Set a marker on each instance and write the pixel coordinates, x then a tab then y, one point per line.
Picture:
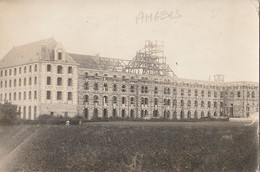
8	113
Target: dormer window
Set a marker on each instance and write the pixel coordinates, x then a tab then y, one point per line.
59	55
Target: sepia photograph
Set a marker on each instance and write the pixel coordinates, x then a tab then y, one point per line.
148	85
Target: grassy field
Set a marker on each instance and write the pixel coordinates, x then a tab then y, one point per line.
130	146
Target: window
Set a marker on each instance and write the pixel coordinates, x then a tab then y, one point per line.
182	92
10	84
5	72
105	99
30	68
20	82
59	55
189	103
1	73
35	80
123	88
48	68
95	99
132	88
69	82
69	95
30	81
155	90
202	104
10	72
86	86
24	69
69	69
10	96
114	100
215	104
202	93
30	95
14	96
155	101
35	68
209	94
20	70
253	94
238	94
86	99
59	69
231	94
189	92
35	95
1	84
132	100
105	87
15	83
196	103
59	81
24	81
48	95
24	95
48	80
196	93
209	104
59	95
114	87
14	71
123	100
215	94
5	84
96	86
20	95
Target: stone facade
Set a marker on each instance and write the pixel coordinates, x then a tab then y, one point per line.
42	78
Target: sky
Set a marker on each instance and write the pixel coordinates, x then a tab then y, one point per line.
204	37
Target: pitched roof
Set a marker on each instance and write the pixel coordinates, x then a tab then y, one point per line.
30	53
95	62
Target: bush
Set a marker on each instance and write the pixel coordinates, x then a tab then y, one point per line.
8	113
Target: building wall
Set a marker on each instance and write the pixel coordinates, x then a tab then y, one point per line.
211	97
20	85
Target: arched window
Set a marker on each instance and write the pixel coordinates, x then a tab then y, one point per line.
95	99
182	92
196	103
35	95
114	100
202	114
209	94
215	94
123	100
231	94
253	94
35	68
155	101
105	87
14	71
30	68
24	81
202	104
24	69
215	104
123	88
30	95
189	115
132	88
30	81
96	86
189	92
202	93
209	104
209	114
35	80
196	93
182	103
132	100
189	103
14	82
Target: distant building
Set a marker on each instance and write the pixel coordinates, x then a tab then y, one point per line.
42	78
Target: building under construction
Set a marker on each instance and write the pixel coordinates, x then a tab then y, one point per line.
42	78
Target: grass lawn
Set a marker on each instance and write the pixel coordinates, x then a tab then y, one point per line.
130	146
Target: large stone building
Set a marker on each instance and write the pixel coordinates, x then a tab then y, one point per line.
42	78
